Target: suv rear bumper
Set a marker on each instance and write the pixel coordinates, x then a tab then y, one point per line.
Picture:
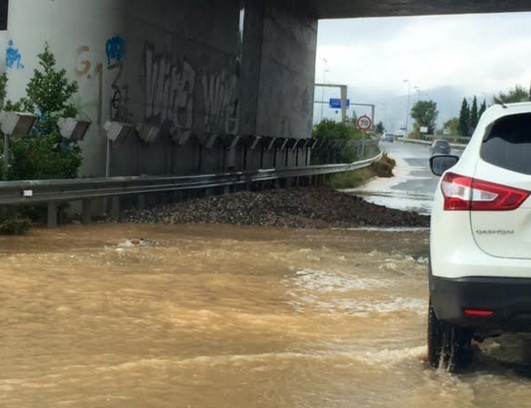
508	298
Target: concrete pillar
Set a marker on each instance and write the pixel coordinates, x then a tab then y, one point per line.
88	40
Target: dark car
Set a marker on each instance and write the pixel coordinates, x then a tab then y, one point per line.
387	137
440	147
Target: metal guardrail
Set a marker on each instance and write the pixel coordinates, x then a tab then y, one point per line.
53	192
457	140
427	143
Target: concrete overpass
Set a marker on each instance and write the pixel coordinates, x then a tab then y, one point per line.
327	9
211	76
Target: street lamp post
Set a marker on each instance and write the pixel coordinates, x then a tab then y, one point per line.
15	124
384	108
116	132
407	109
322	88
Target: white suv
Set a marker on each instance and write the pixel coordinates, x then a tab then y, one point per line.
480	243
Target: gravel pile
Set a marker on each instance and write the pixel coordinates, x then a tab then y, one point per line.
294	208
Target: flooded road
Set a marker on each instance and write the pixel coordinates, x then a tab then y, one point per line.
228	317
413	184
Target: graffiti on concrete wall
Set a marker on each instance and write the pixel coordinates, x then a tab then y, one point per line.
83	62
170	89
13	57
86	66
221	98
115	47
120	94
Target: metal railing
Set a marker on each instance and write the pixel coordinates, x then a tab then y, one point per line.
53	192
457	140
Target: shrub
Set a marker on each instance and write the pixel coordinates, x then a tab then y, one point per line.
343	132
14	225
45	155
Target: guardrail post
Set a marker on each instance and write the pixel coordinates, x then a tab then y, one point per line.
178	196
86	211
141	202
52	214
115	207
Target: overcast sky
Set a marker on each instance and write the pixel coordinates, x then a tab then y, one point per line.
472	54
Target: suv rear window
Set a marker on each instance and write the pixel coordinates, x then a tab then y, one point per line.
507	143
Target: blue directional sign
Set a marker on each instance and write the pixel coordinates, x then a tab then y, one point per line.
335	103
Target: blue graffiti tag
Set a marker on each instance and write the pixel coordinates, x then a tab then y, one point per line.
115	48
13	57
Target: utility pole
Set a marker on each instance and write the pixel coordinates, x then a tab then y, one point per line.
322	88
407	109
343	90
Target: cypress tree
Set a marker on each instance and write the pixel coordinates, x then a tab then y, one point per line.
482	108
464	118
473	121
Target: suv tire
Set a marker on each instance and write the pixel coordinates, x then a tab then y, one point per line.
448	345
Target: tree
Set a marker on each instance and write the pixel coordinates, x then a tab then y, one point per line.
473	122
337	139
464	119
46	154
482	108
425	114
451	126
379	128
516	94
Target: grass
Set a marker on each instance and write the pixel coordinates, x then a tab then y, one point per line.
356	178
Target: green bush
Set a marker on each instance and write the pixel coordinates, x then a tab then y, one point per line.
14	226
342	132
44	157
45	154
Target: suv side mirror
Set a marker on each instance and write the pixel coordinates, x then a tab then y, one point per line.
439	164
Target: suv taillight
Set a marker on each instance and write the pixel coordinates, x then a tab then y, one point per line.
463	193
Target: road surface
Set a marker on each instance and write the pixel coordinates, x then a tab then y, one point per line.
413	185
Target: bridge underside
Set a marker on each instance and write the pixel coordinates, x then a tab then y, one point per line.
328	9
227	85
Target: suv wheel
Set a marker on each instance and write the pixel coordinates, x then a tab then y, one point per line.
448	345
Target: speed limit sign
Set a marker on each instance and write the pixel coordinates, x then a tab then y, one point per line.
364	122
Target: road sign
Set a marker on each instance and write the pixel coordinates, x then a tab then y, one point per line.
335	103
364	122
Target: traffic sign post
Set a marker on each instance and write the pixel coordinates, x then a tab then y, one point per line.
364	123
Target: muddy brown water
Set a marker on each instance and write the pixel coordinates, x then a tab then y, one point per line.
217	316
